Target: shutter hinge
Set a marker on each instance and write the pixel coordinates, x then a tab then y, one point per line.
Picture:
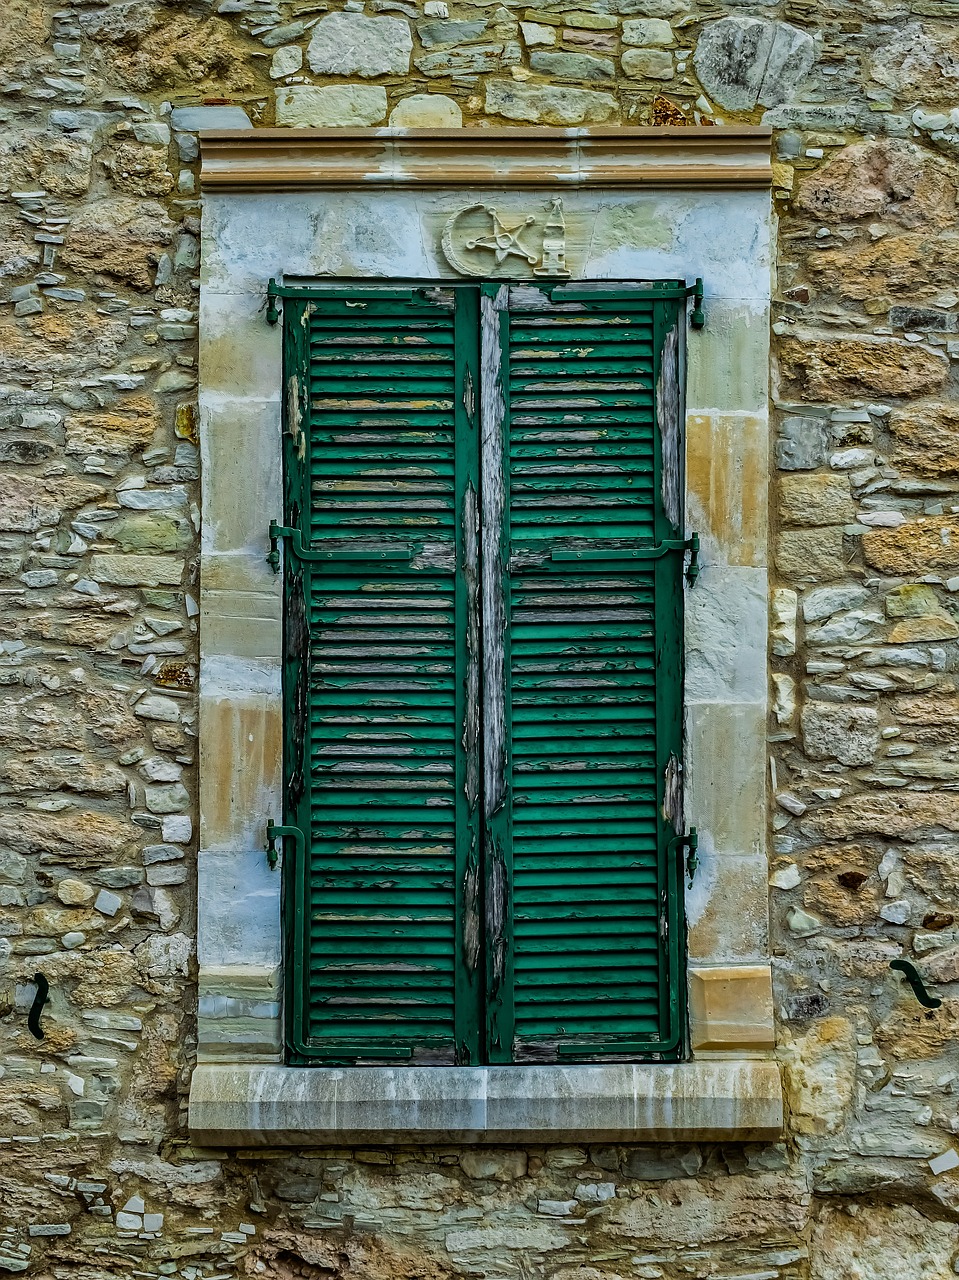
689	842
272	311
697	318
274	832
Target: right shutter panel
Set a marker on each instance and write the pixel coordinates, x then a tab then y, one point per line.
595	679
383	462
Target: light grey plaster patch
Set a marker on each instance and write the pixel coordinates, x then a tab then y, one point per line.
247	930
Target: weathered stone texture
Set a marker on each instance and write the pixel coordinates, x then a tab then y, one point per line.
99	255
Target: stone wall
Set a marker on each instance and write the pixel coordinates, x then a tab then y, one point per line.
98	535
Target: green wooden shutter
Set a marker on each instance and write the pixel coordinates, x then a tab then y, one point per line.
592	685
381	755
483	673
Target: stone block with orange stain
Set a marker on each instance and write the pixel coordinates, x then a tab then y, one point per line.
728	910
727	461
241	739
731	1008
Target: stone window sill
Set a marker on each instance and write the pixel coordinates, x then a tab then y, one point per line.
248	1105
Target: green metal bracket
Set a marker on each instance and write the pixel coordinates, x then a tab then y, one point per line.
914	978
663	548
697	319
274	832
272	293
364	554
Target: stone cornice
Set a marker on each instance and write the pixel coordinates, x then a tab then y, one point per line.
317	159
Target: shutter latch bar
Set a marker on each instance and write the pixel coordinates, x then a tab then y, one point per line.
697	318
274	832
690	544
364	553
914	978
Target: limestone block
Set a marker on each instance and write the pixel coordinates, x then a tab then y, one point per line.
470	59
784	699
819	499
280	1106
920	546
727	908
726	470
194	119
783	620
802	443
840	731
927	438
137	571
813	555
932	626
352	44
731	1007
692	1214
742	61
907	814
286	61
647	31
536	34
443	33
729	372
548	104
301	106
835	368
820	1075
825	601
28	503
426	111
726	628
727	803
648	64
239	921
240	763
881	1241
883	177
911	62
573	66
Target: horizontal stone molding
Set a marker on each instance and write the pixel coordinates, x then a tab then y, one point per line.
314	159
250	1105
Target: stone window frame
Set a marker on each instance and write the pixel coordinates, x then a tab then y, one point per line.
370	204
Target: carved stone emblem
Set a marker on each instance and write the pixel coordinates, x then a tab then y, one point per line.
474	232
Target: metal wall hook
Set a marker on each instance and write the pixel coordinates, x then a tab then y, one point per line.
914	978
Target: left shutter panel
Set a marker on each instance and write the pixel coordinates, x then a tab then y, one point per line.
381	484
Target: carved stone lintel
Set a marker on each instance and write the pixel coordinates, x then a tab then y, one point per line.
504	241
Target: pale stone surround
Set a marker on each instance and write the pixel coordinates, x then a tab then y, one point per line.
711	227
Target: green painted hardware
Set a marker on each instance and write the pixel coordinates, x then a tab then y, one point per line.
914	978
628	553
39	1000
697	317
481	739
272	311
274	832
689	842
363	552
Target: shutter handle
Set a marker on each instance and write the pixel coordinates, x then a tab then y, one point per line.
274	832
297	549
915	981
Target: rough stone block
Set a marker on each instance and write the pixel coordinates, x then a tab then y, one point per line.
811	555
426	111
137	571
648	64
352	44
302	106
548	104
815	499
839	731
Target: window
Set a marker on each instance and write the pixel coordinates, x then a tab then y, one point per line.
483	584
